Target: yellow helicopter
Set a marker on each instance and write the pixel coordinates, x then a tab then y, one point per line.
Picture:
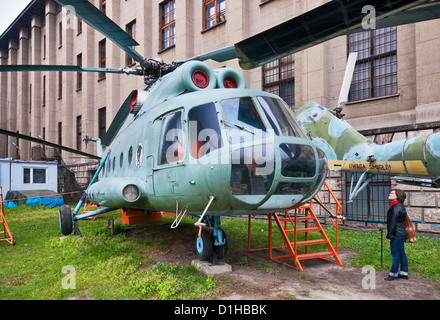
197	141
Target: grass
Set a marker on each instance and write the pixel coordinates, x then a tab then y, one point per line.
44	265
95	266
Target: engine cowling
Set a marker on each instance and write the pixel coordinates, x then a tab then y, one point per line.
229	78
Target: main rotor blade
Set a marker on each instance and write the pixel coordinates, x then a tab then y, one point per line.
332	19
46	143
28	67
99	21
220	55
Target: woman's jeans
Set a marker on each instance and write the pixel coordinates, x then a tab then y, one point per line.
398	256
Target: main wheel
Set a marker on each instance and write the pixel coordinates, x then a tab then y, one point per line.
204	246
66	220
222	250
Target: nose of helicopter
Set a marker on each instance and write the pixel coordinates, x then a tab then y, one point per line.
278	177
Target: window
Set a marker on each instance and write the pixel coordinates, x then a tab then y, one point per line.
204	130
30	98
130	155
214	12
131	30
60	85
101	59
78	133
44	91
79	24
79	74
44	47
242	120
101	122
279	117
34	175
60	133
279	79
102	5
170	148
372	202
60	33
375	74
168	24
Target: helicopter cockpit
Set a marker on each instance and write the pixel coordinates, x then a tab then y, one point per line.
255	176
271	162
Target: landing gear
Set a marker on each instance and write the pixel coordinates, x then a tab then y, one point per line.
204	245
211	244
66	220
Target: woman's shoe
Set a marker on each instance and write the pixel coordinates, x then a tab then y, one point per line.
401	276
390	278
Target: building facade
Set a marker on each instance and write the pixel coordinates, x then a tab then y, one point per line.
394	91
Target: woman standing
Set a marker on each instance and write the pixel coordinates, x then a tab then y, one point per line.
396	235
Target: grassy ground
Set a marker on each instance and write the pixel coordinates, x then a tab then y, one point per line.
45	265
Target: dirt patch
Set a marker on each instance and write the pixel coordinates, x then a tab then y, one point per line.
257	278
323	280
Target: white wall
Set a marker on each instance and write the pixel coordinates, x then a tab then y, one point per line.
12	172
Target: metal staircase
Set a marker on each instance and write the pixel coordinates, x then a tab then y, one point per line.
6	234
301	230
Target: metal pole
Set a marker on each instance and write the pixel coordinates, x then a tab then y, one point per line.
381	247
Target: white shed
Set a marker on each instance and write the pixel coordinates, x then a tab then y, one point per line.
20	175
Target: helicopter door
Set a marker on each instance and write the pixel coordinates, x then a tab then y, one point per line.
170	154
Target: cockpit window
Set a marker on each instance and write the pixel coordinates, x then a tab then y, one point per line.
204	130
242	120
170	148
279	117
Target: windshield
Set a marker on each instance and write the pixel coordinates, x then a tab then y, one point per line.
279	117
242	120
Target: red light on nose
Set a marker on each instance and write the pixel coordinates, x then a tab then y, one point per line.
200	79
229	83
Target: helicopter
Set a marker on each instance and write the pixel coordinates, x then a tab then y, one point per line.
197	141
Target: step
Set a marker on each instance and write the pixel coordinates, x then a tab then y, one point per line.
313	255
301	218
302	230
309	242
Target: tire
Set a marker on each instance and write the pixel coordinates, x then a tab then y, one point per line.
203	246
66	220
223	250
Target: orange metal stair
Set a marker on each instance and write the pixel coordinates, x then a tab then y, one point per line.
7	235
288	224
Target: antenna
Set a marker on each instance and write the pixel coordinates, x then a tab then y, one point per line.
346	83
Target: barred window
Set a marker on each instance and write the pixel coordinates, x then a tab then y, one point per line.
279	78
375	74
372	203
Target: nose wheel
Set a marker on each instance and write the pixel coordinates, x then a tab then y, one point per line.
204	247
211	244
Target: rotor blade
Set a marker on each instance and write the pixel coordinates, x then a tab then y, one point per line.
220	55
332	19
99	21
348	76
420	13
24	67
46	143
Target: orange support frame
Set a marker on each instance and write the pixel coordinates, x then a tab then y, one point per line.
7	235
134	216
304	213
